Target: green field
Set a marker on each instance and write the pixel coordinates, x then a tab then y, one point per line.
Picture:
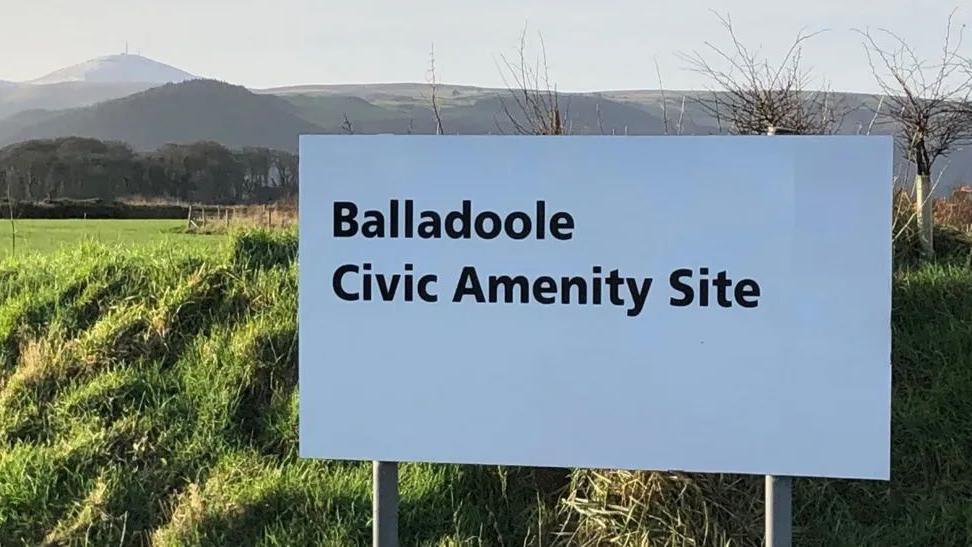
45	236
148	396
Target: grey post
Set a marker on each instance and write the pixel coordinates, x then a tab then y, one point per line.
778	499
779	511
384	504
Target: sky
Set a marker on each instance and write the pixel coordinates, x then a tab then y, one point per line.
590	45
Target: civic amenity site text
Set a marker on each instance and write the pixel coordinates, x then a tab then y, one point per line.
696	285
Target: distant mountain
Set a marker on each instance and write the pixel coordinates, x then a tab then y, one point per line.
117	69
195	110
88	83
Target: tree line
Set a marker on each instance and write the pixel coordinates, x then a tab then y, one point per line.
207	172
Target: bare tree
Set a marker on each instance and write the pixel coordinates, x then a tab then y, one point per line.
754	95
434	88
533	107
929	102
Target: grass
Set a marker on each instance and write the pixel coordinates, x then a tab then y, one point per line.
148	396
46	236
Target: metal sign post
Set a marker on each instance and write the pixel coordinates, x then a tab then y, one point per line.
778	491
779	511
384	504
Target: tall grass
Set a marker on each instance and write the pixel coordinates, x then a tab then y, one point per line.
148	396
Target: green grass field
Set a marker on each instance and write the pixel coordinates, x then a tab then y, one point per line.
45	236
148	397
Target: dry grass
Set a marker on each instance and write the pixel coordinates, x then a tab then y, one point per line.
220	219
659	508
953	228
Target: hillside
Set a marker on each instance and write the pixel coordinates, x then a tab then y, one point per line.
16	98
196	110
149	396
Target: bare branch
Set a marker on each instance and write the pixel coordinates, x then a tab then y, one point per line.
534	107
754	94
434	88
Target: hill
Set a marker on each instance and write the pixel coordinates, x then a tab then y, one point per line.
195	110
117	68
16	98
88	83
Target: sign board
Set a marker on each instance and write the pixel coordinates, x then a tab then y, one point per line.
714	304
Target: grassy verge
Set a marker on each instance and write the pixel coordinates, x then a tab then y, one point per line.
147	396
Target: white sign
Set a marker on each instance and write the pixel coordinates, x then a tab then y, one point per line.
717	304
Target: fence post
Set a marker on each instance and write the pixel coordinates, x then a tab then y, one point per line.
384	504
189	219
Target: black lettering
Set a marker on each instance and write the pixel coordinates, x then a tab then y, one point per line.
703	288
387	287
431	225
508	284
638	295
744	290
465	218
561	225
495	225
336	282
541	287
408	218
468	285
541	218
374	226
525	225
722	283
614	283
423	288
366	281
596	289
345	224
675	280
576	281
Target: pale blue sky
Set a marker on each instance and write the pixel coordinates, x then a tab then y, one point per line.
607	44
